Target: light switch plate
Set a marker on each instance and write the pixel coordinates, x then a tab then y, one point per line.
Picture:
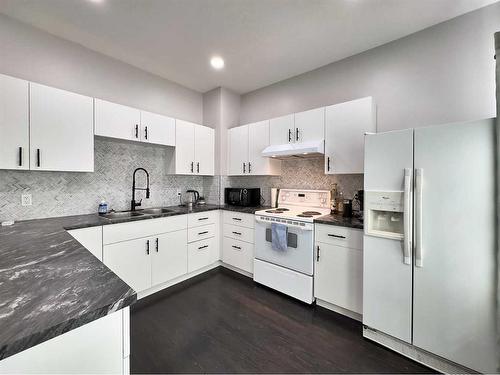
26	200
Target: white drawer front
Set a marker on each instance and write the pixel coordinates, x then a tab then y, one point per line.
200	254
340	236
203	218
142	228
238	218
238	254
239	233
201	233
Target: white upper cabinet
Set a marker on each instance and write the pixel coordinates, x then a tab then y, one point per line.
282	130
14	123
61	130
258	140
346	124
194	151
310	125
117	121
157	129
204	150
238	150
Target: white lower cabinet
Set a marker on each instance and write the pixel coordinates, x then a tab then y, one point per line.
238	240
338	276
169	257
238	254
99	347
201	254
131	261
90	238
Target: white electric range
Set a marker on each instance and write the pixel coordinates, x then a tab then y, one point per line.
291	271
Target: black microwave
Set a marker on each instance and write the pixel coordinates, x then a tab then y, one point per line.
242	197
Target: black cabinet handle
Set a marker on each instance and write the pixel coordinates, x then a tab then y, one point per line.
236	218
157	245
203	218
192	166
202	247
200	233
147	247
335	235
146	132
198	167
236	247
38	162
20	156
244	168
249	167
297	134
238	233
289	135
317	254
328	164
136	130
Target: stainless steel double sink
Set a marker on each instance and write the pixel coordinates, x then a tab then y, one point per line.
130	214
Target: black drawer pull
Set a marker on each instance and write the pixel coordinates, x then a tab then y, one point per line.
202	247
38	162
236	218
147	247
238	233
317	254
203	218
20	156
336	236
236	247
146	132
157	245
200	233
136	131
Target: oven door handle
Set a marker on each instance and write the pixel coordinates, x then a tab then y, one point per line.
305	228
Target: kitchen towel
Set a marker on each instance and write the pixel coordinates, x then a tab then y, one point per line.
279	237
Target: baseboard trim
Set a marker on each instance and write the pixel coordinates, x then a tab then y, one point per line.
240	271
418	355
340	310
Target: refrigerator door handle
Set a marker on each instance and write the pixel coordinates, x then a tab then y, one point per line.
407	217
419	176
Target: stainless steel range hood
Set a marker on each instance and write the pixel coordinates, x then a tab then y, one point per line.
312	149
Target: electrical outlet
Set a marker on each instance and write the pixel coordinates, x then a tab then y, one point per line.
26	200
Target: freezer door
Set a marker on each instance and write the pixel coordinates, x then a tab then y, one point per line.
387	274
454	275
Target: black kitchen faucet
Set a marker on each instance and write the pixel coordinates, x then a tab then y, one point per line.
133	203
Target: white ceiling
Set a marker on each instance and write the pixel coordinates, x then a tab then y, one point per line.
262	41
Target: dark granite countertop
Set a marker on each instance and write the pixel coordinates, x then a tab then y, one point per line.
245	210
339	220
50	284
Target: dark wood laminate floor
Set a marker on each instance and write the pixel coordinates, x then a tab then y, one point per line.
222	322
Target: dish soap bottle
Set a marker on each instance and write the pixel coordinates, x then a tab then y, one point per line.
103	208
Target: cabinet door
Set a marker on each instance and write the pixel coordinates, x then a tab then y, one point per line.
238	150
169	256
117	121
310	125
131	261
200	254
238	254
184	147
204	150
346	124
14	123
258	140
338	277
157	129
281	130
61	130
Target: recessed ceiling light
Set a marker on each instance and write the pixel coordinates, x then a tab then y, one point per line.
217	62
96	1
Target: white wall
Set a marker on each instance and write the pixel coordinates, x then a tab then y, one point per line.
445	73
35	55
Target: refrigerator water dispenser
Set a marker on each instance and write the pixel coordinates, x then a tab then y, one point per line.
384	212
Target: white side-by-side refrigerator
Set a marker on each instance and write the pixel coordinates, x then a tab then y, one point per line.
429	244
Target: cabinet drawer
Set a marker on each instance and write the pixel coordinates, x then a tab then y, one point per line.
200	254
203	218
238	254
142	228
340	236
238	218
239	233
201	233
